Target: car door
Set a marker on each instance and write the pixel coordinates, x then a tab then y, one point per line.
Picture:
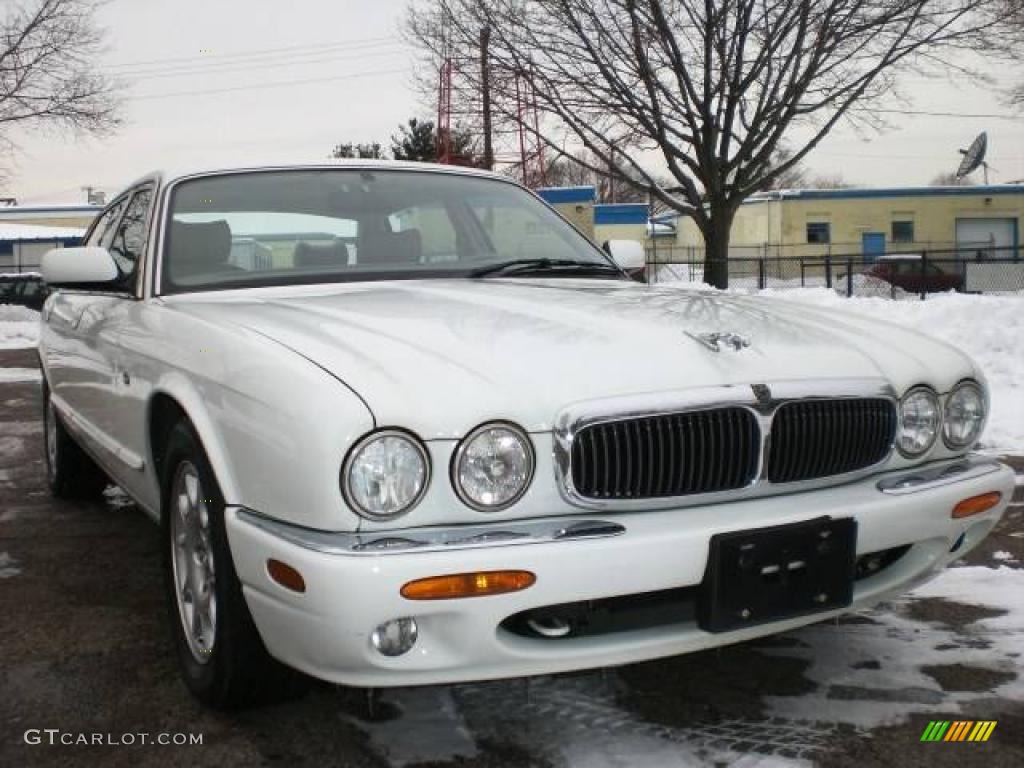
125	406
85	375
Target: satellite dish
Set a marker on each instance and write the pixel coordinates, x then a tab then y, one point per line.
974	157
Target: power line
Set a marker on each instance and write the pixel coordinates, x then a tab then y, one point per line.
258	52
948	114
194	71
259	86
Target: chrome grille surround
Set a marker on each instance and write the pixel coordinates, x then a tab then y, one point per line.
751	397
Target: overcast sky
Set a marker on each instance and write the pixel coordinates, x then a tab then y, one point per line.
346	77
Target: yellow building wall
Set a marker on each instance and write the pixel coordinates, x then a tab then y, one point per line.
580	215
63	221
934	219
755	224
603	232
784	222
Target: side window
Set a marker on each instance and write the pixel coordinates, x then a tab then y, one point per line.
819	232
130	238
104	229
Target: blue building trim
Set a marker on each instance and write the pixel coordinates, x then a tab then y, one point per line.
621	213
559	195
990	190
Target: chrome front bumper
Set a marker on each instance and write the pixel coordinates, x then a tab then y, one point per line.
354	580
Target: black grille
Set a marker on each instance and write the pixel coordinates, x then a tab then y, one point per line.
667	455
821	438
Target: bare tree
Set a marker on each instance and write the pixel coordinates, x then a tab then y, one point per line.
49	75
370	150
711	89
950	179
1011	16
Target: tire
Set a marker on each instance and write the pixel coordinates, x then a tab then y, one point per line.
70	472
222	659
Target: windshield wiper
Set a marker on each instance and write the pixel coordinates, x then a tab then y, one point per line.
530	266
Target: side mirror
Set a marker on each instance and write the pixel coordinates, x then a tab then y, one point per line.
81	266
628	254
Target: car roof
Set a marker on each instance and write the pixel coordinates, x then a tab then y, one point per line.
174	173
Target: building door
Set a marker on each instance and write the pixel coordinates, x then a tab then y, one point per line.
986	238
872	245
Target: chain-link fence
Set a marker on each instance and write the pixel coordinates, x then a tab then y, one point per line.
969	269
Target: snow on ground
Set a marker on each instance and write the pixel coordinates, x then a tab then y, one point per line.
9	231
988	328
8	566
9	375
19	327
874	674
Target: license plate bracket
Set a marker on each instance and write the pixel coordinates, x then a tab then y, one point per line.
778	572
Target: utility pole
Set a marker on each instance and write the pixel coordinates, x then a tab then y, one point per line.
94	196
611	174
485	86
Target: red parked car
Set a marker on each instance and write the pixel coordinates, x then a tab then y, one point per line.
905	271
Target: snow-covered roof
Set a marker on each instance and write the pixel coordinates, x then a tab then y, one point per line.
34	232
45	207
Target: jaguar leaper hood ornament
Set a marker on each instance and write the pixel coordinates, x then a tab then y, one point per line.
715	341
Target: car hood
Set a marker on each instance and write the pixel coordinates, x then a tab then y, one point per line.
442	356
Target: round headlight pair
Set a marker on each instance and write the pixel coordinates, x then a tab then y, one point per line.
921	418
386	473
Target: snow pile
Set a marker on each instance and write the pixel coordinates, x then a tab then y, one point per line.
35	232
988	328
19	327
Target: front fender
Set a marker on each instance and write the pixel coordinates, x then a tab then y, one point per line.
274	426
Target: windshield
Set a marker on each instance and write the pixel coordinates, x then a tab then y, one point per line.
289	227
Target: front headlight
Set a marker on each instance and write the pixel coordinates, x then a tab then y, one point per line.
965	416
493	466
385	474
919	422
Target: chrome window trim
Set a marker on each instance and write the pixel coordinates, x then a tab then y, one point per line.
572	419
440	539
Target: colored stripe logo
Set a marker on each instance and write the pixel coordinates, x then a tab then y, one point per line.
958	730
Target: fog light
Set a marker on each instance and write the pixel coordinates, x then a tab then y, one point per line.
393	638
977	504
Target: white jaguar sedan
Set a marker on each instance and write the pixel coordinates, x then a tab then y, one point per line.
402	424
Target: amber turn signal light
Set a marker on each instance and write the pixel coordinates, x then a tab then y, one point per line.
467	585
286	576
977	504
